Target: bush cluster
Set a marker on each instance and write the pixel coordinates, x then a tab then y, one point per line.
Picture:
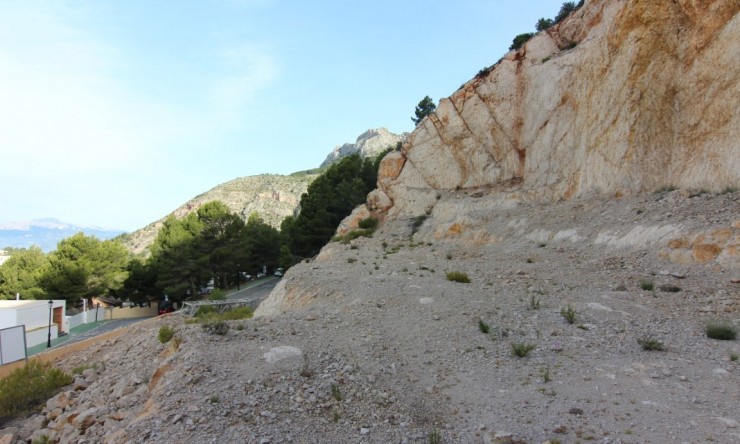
28	387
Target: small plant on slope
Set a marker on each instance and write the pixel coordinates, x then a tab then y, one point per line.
721	331
458	276
521	349
568	314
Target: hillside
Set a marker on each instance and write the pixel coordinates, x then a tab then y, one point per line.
586	185
272	196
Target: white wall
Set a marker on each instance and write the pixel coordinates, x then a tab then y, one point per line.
34	317
8	318
40	335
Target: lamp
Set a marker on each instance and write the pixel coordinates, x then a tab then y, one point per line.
48	342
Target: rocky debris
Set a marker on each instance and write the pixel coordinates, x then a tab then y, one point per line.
386	349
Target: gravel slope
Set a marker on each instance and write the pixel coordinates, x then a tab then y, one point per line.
380	347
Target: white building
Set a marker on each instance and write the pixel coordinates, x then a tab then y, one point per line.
34	315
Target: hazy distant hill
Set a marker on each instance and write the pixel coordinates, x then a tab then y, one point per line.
45	233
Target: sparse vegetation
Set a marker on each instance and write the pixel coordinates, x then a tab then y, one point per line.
434	437
369	223
214	399
733	357
336	393
647	285
417	222
534	303
721	331
520	40
216	327
483	327
569	314
650	344
546	374
665	189
670	288
351	260
165	334
28	387
521	349
729	190
458	276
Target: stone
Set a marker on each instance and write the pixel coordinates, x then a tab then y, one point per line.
86	419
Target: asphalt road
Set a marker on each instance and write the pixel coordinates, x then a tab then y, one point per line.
257	291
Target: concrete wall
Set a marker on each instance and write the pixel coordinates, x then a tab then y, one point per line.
127	312
40	335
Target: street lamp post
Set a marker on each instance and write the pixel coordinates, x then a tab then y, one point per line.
48	342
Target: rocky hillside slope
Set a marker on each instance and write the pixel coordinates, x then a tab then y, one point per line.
272	196
368	144
379	347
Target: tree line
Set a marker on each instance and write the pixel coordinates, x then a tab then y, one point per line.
210	243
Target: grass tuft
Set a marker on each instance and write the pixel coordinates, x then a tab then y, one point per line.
721	331
569	314
483	327
521	349
650	344
647	285
458	276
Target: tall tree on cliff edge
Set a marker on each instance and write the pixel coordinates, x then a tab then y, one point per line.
423	109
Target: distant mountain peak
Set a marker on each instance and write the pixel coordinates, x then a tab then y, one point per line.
370	143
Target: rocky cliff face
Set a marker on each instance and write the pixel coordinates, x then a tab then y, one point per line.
370	143
622	97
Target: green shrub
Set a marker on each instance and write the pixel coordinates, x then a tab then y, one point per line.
483	327
458	276
237	313
521	349
28	387
217	295
565	11
204	311
335	393
650	344
721	331
647	285
352	235
417	222
369	223
520	40
569	314
166	333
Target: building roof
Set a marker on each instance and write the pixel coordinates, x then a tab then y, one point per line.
14	305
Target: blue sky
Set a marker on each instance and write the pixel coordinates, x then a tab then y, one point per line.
114	113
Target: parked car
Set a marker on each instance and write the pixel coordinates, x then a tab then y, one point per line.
279	272
166	307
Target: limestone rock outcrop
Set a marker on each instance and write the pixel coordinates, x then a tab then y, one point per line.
370	143
622	97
